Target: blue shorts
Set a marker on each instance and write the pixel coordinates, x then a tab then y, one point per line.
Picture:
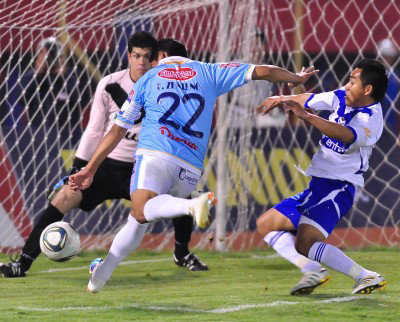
322	205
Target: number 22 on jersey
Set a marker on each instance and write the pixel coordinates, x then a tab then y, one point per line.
175	103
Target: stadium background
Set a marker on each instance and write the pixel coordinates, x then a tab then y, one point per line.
332	35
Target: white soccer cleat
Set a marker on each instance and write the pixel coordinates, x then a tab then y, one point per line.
201	209
311	280
94	285
368	284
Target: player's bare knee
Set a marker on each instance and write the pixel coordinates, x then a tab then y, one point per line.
273	220
302	246
139	198
66	199
264	223
139	216
307	236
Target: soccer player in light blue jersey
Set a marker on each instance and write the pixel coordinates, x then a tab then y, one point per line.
177	97
355	125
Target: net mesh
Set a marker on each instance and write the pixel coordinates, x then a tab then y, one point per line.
44	107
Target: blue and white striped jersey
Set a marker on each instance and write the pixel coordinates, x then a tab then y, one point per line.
178	98
335	159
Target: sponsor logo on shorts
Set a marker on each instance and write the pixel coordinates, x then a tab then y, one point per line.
181	74
228	65
165	131
183	176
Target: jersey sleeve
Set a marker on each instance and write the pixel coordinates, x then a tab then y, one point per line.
324	101
131	111
367	128
229	76
97	123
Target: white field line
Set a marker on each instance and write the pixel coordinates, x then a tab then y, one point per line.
183	309
52	270
122	263
265	256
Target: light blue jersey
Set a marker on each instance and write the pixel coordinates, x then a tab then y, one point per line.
178	98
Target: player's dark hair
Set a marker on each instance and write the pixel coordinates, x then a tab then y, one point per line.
172	47
142	39
373	72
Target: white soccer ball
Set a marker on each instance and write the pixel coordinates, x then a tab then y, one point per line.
60	241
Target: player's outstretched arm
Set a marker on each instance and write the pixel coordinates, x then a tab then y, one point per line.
277	74
274	101
83	179
330	129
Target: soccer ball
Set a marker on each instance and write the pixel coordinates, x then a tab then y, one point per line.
60	241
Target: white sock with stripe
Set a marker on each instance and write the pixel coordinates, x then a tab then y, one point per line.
166	206
283	243
334	258
124	243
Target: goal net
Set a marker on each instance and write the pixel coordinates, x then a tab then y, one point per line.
250	164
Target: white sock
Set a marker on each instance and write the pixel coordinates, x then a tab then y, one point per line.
334	258
124	243
283	243
166	206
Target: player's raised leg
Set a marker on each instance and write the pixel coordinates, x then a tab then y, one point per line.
125	242
151	181
171	190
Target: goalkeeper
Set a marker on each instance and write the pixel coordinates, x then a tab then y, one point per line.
112	181
355	125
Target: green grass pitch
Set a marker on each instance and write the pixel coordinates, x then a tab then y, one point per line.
248	286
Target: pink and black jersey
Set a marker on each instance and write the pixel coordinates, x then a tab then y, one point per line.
102	115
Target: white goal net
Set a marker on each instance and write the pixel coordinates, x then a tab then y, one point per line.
251	159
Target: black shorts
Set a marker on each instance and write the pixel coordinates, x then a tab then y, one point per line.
111	181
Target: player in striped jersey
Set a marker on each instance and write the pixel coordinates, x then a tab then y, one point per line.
178	97
112	181
349	135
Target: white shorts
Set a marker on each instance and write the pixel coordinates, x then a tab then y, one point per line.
162	176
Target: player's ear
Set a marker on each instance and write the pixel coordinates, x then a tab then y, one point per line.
162	55
368	90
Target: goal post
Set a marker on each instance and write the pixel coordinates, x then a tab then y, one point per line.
223	55
250	160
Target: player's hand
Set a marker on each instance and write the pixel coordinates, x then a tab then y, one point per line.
295	107
304	75
269	104
80	180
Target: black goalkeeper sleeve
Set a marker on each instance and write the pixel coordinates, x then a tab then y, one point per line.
117	94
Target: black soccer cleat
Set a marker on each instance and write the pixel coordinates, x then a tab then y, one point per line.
12	269
192	262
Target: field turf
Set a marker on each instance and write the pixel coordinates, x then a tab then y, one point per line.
248	286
